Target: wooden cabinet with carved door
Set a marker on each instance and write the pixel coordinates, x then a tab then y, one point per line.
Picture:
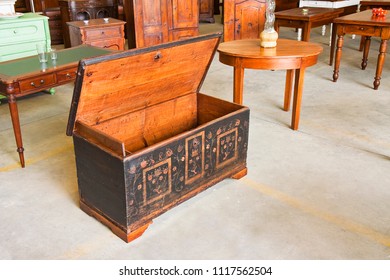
206	10
158	21
243	19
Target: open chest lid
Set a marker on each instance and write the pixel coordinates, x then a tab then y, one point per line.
115	84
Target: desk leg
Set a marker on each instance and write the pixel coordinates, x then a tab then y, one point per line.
366	49
298	89
340	42
381	61
288	89
13	108
238	85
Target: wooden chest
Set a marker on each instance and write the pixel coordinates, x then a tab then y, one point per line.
145	139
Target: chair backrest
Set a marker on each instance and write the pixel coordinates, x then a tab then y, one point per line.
243	19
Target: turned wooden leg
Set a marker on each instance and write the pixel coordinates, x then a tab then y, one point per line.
366	49
340	42
379	65
298	89
288	89
238	85
13	108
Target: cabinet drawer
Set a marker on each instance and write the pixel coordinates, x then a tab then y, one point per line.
23	32
67	75
43	82
92	34
114	44
362	30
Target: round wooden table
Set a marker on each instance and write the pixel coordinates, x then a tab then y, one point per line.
287	55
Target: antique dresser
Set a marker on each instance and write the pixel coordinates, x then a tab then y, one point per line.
72	10
145	139
19	36
109	33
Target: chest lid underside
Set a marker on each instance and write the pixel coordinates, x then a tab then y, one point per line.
113	85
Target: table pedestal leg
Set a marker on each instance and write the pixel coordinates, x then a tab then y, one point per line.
13	108
366	49
298	89
379	66
288	89
238	85
340	42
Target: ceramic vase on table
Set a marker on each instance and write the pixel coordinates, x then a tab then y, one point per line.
269	36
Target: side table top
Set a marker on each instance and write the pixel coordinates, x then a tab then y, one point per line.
285	48
314	13
364	17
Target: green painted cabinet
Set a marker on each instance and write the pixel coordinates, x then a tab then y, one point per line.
19	36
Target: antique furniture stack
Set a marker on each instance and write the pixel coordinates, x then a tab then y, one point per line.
145	138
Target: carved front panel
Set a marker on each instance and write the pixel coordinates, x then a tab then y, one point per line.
160	177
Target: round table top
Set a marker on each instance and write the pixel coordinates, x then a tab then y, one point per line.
250	48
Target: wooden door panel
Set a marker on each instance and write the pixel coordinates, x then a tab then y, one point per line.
243	19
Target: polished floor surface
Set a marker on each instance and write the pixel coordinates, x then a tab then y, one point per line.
322	192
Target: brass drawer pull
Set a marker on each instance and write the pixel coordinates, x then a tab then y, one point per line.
68	75
41	82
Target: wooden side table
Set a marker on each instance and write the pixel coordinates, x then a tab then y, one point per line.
98	33
288	54
365	25
315	17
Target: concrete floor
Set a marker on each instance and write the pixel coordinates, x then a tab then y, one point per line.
322	192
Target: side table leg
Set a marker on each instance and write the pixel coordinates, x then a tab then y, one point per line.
366	49
340	42
13	108
298	89
238	85
288	89
381	61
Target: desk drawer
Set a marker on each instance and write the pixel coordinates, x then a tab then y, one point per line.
362	30
66	75
43	82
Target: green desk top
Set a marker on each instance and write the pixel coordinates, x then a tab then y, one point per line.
20	67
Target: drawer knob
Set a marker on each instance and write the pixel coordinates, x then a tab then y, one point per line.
41	82
361	28
68	75
15	31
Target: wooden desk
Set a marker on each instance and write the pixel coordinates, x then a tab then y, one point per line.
314	18
26	76
288	54
363	24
